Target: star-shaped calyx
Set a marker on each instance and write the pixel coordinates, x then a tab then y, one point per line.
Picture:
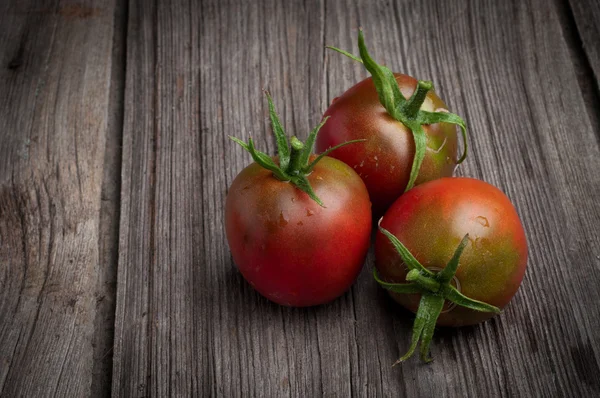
435	288
294	156
408	112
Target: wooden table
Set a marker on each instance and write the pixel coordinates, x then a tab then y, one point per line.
115	274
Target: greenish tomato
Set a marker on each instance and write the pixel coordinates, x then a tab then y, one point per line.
431	220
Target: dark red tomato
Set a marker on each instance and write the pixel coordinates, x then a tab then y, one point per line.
384	161
290	249
431	219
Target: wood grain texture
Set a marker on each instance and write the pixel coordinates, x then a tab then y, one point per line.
161	227
587	14
109	215
188	324
579	21
55	63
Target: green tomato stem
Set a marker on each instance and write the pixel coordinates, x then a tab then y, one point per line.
413	105
293	164
408	112
425	282
446	275
296	157
435	289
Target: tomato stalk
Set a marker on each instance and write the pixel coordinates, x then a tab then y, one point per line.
294	163
413	105
435	289
408	112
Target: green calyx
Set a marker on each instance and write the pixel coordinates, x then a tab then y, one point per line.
435	288
407	112
294	156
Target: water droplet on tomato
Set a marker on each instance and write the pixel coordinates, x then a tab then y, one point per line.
482	220
282	221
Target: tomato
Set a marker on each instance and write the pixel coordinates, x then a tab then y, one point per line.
299	235
430	221
387	159
290	249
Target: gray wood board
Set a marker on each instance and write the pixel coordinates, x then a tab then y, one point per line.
187	323
586	14
109	216
55	68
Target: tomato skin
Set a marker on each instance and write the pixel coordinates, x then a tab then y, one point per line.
431	219
384	161
291	250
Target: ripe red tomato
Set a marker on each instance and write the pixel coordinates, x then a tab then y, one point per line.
385	160
431	219
291	250
410	135
298	231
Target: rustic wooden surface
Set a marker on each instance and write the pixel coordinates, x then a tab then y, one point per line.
586	13
55	70
115	275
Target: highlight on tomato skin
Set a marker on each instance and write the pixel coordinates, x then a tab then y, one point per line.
298	225
431	219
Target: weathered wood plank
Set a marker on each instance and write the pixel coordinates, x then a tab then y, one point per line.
587	14
580	21
55	63
186	321
161	225
109	215
134	255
